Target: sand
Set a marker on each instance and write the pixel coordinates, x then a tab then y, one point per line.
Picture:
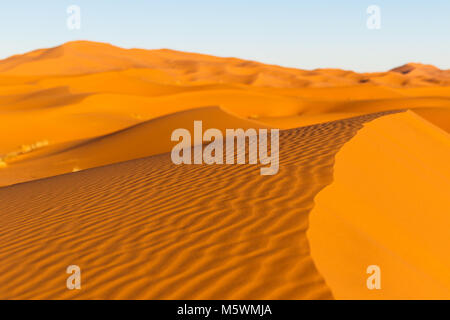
86	178
137	141
388	206
147	229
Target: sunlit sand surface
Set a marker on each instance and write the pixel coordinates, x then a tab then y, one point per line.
86	178
388	206
150	229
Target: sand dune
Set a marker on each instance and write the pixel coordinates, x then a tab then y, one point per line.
92	78
138	141
84	57
388	206
84	91
86	178
149	229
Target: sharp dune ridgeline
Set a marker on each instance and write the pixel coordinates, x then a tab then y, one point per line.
87	179
394	178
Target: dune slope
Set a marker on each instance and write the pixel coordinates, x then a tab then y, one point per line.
141	140
84	91
150	229
388	206
86	178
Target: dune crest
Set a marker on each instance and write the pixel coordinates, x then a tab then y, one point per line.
86	178
141	140
86	57
388	206
86	91
147	229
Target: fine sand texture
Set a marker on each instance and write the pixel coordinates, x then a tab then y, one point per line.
148	229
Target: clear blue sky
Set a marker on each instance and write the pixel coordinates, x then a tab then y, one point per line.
303	34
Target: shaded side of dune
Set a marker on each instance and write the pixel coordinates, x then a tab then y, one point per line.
148	229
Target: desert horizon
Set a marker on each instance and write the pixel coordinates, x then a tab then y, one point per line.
404	68
131	89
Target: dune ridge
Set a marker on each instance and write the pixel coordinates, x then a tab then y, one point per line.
388	206
86	57
138	141
146	229
86	178
82	91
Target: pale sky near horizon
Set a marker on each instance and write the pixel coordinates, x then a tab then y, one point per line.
301	34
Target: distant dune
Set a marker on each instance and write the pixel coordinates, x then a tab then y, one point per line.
84	57
83	91
138	141
86	178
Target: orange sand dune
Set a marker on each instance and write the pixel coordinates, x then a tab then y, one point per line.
388	206
141	227
84	57
438	116
150	229
84	90
138	141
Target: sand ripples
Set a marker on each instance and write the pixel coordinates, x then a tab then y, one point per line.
147	229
